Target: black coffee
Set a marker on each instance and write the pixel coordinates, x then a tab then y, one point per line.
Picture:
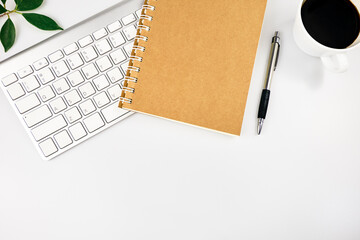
333	23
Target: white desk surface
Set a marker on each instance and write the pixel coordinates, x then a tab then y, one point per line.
148	178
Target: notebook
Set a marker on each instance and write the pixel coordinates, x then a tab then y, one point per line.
192	61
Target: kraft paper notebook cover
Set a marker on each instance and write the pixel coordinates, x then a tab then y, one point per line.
192	61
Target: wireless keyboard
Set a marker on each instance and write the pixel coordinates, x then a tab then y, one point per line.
72	94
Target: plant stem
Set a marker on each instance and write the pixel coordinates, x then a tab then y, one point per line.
7	13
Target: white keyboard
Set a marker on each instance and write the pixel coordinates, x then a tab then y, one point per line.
71	94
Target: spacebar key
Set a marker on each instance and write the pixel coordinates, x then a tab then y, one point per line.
49	127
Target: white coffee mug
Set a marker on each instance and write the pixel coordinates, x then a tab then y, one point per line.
332	58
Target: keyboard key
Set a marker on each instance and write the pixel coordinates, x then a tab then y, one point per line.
128	19
114	26
72	115
128	48
112	112
103	64
30	83
100	33
103	46
77	131
115	75
117	56
90	71
94	122
61	68
117	39
15	91
75	78
27	103
69	49
101	100
9	80
85	41
61	86
75	61
63	139
130	32
40	64
56	56
101	82
87	107
138	13
46	76
46	93
115	92
89	54
37	116
124	66
72	97
58	105
87	90
26	71
48	147
49	127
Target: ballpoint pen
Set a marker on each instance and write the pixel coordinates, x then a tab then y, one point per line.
265	96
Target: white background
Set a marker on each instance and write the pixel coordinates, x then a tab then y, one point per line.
148	178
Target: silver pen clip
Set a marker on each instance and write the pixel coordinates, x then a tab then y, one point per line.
276	41
277	56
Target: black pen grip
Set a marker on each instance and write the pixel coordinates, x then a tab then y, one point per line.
264	102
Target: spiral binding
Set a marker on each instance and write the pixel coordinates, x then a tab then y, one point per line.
138	38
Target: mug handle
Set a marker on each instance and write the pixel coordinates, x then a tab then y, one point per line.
337	63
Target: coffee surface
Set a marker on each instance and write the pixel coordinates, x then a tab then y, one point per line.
333	23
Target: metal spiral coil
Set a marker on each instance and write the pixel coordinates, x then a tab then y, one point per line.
131	79
126	100
138	38
127	89
135	69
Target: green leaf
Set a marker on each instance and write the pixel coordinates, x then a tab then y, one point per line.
41	21
26	5
2	9
3	1
8	34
